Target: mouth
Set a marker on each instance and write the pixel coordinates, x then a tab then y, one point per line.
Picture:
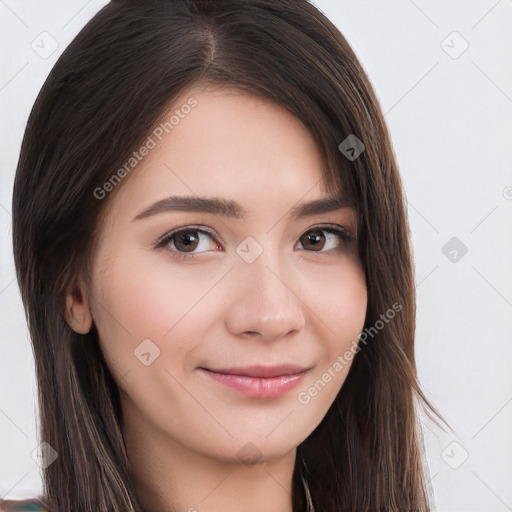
259	381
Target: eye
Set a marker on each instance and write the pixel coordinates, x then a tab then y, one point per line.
182	242
315	239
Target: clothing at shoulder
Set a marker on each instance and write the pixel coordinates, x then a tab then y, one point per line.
22	506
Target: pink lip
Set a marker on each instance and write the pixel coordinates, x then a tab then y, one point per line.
259	381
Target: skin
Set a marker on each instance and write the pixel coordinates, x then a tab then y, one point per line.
183	431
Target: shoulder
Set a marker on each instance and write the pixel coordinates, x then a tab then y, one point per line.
31	505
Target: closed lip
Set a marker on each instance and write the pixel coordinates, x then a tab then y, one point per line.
261	371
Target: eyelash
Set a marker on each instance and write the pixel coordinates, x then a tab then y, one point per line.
342	232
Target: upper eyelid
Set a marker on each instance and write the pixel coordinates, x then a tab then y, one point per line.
191	227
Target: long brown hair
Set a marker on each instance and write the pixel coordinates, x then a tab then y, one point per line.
104	95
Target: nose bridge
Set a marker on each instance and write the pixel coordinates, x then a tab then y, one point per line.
268	278
264	301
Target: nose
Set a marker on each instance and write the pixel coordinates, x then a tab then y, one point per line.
264	303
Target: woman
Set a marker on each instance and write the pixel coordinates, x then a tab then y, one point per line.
212	248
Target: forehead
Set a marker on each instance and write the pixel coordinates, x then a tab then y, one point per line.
232	154
230	141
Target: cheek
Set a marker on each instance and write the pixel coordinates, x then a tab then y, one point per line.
340	311
338	297
144	311
148	297
152	299
345	308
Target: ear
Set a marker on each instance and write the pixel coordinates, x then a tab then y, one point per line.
78	312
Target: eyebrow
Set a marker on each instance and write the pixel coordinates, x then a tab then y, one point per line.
232	209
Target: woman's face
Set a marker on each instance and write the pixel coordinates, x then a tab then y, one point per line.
239	288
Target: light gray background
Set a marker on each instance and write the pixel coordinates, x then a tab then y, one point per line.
450	117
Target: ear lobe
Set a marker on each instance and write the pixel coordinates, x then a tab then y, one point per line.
78	313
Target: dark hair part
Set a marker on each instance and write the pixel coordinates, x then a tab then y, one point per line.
105	94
